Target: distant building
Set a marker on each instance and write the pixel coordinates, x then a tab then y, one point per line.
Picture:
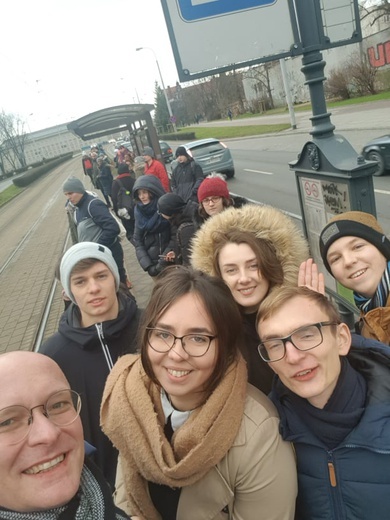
375	46
51	142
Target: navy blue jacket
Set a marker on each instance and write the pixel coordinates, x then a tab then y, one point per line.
153	242
360	489
95	222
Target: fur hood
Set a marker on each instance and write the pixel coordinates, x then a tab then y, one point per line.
265	222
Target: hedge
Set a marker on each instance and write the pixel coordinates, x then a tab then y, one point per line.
34	174
178	136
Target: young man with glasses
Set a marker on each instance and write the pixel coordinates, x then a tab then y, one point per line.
334	404
43	470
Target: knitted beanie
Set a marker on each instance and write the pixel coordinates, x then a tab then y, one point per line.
213	187
73	185
123	168
181	150
82	251
170	204
353	224
148	151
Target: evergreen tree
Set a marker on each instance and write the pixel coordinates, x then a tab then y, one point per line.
161	114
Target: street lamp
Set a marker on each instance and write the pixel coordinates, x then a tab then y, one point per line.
171	116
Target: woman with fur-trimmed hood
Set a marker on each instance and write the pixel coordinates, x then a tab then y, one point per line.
253	249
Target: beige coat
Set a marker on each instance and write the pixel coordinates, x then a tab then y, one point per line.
256	480
265	222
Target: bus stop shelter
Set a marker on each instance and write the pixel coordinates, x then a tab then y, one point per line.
135	119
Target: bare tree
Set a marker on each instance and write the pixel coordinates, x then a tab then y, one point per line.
337	84
12	139
262	85
377	9
355	77
363	75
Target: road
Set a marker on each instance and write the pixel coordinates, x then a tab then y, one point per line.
263	174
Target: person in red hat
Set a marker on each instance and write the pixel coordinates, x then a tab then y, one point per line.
214	197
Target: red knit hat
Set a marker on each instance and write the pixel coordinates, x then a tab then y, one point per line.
213	187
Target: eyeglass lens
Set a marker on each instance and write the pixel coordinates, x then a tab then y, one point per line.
61	408
304	338
195	345
211	199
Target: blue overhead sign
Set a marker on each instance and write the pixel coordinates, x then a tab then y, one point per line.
192	10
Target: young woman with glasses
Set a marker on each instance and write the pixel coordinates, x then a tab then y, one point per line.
195	440
214	197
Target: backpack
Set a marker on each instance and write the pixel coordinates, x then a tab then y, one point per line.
125	198
87	164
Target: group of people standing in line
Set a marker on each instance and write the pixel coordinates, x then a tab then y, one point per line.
238	393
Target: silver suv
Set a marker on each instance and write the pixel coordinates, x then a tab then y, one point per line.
212	155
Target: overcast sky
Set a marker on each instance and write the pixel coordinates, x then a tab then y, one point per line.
61	60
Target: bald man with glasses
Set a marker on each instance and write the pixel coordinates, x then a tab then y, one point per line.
44	473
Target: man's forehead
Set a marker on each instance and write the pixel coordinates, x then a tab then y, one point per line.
27	367
24	358
291	316
95	268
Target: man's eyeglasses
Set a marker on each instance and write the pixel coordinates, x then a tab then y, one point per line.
61	408
304	338
210	200
195	345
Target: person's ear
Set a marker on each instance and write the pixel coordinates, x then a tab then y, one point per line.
344	339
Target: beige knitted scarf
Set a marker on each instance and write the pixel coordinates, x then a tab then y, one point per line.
133	418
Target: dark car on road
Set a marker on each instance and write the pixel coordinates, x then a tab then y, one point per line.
213	156
166	151
378	150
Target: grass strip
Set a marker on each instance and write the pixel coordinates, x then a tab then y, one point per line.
9	193
225	132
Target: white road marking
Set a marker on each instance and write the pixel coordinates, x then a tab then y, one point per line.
258	171
384	192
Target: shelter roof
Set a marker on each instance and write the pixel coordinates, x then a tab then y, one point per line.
109	120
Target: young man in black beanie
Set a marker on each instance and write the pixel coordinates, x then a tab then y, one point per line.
187	175
356	252
94	221
99	325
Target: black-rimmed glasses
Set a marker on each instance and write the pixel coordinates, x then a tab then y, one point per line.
195	345
61	408
304	338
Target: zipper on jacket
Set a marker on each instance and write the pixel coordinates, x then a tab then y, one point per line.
335	489
106	350
332	474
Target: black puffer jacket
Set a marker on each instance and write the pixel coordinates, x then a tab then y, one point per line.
182	231
152	232
186	179
85	355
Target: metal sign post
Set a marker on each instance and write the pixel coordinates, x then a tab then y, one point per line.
331	177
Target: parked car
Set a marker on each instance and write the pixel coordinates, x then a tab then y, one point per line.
213	156
167	152
378	150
